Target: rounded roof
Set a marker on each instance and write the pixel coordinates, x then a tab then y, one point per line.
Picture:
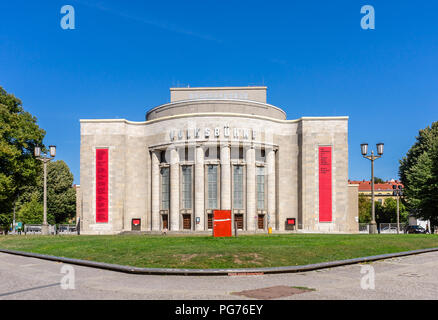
242	107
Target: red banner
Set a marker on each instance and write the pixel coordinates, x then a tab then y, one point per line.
102	185
325	184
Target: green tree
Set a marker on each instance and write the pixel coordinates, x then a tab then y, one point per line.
378	180
379	212
388	212
419	173
5	222
364	209
61	196
19	134
31	212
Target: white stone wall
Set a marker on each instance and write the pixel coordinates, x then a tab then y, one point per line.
295	154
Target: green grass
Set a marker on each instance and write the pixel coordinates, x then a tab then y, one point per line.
208	252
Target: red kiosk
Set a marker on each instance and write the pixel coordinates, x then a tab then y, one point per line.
222	223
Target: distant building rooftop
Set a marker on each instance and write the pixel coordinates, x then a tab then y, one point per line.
365	185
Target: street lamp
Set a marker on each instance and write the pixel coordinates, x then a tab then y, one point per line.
398	191
45	159
372	157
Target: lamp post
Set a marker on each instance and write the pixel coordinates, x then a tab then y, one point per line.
45	159
398	191
372	157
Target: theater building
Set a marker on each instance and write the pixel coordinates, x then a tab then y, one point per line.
216	148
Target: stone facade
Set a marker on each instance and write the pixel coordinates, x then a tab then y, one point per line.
233	154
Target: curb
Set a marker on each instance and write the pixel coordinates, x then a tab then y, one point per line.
216	272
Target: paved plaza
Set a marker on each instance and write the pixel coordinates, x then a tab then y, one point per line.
411	277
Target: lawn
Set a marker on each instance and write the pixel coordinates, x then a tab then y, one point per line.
208	252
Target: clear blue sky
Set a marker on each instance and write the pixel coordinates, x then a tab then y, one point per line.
313	55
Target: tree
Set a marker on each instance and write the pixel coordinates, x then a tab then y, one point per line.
419	174
19	134
378	180
5	222
388	212
61	196
364	209
379	212
31	212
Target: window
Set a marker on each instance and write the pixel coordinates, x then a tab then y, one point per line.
165	192
238	187
164	156
186	153
241	153
260	155
186	187
260	180
212	187
237	153
212	153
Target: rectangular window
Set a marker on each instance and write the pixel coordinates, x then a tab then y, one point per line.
238	187
260	155
186	187
260	176
212	187
212	153
165	192
164	156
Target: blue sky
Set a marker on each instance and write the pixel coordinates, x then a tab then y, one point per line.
313	55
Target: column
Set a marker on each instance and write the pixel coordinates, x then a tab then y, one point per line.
225	178
251	219
174	189
270	161
155	177
199	188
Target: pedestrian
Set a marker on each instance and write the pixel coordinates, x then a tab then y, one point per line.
427	228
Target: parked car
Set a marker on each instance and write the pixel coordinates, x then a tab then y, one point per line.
415	229
389	230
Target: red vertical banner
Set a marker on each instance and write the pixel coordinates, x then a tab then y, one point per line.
325	184
102	185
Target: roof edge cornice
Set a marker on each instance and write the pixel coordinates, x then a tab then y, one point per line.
174	103
211	114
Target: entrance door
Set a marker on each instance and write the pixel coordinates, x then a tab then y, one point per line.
210	221
238	220
187	221
261	221
165	221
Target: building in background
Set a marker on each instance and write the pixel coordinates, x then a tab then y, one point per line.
382	191
216	148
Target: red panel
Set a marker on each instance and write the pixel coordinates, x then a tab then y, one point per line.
222	223
102	185
325	184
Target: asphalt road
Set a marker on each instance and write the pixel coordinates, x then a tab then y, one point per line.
411	277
